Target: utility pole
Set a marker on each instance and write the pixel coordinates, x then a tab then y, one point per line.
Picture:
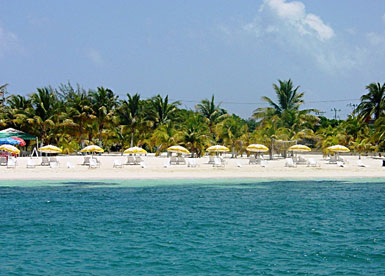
335	112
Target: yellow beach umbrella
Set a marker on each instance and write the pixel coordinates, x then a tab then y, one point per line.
217	148
257	148
178	149
299	148
50	149
10	148
92	148
134	150
338	148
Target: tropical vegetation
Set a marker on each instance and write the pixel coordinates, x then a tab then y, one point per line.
72	117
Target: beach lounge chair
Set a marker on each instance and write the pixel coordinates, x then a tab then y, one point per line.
181	160
192	163
289	162
138	160
252	160
211	159
11	164
93	164
3	161
312	163
117	164
341	164
54	159
239	165
263	163
301	160
361	164
53	162
130	160
167	164
86	161
173	160
70	165
218	162
143	165
30	163
44	161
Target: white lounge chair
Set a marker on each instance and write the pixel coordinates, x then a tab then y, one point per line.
361	164
239	165
312	163
86	161
263	163
192	163
138	160
252	160
290	163
44	161
70	165
173	160
31	163
93	164
218	162
54	159
181	160
11	164
167	164
3	161
117	164
211	159
143	165
340	164
130	160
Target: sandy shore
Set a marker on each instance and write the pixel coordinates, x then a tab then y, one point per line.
155	169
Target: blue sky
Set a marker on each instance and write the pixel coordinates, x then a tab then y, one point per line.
190	50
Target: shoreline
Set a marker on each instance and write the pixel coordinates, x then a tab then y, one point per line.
234	169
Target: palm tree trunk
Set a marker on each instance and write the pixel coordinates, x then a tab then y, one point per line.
132	139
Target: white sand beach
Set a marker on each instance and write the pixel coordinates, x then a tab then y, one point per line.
154	169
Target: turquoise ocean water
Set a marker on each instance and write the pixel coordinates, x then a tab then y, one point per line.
192	227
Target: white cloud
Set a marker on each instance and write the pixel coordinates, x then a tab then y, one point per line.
8	41
375	39
294	14
94	56
288	25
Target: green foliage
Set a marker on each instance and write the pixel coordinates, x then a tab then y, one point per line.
72	117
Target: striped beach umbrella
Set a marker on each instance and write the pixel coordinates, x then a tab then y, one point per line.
217	148
338	148
134	150
257	148
299	148
92	148
50	149
9	141
10	149
178	149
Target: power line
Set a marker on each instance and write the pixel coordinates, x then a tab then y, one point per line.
263	103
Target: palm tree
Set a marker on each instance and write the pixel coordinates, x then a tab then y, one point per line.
212	112
44	108
79	113
130	114
162	111
372	103
103	103
288	99
195	134
231	132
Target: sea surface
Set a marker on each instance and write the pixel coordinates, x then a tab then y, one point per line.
192	227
